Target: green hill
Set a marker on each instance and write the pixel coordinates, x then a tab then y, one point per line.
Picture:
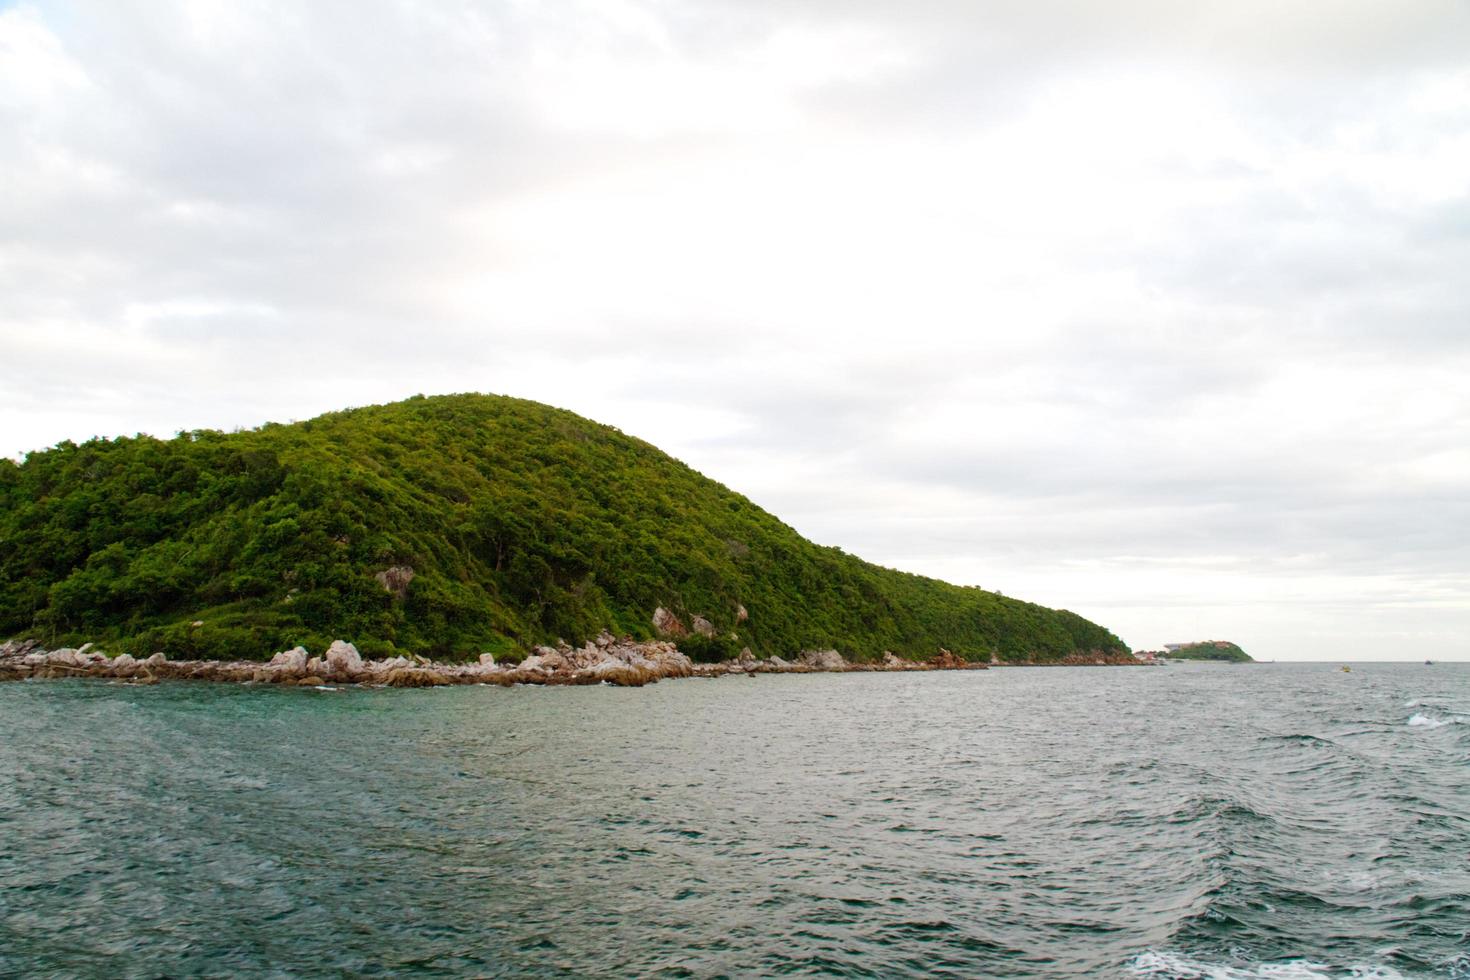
1222	650
447	526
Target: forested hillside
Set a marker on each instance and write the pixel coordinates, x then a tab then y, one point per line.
448	526
1221	650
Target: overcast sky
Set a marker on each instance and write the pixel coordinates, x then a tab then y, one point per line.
1156	311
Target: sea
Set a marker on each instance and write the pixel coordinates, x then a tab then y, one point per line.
1180	821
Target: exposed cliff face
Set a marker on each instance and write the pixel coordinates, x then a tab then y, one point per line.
447	527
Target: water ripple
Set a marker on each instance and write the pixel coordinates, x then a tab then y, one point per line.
1183	822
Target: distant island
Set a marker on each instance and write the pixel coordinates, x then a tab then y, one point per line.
456	527
1219	650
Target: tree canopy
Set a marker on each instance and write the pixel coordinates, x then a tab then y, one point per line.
1221	650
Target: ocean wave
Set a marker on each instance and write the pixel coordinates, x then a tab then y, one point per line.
1165	965
1420	720
1300	739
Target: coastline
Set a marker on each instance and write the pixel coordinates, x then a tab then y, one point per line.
621	662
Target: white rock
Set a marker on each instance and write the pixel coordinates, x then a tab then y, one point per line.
823	659
487	660
343	658
290	662
155	660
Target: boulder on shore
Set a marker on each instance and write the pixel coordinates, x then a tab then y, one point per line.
290	663
545	659
343	659
822	660
18	649
944	660
123	665
415	677
65	657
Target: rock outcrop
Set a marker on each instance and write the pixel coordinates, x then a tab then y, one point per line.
604	660
944	660
395	580
667	624
822	660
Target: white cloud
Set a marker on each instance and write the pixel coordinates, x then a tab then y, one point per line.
1148	310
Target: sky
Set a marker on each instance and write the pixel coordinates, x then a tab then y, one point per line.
1158	312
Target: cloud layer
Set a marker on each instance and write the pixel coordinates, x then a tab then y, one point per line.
1153	312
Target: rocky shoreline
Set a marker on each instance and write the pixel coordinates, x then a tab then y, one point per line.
622	662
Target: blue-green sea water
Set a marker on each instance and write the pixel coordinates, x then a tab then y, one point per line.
1181	821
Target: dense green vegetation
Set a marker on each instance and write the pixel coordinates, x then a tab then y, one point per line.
522	523
1222	650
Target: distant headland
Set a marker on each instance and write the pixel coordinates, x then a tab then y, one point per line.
1218	650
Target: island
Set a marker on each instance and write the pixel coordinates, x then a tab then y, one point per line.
463	531
1222	651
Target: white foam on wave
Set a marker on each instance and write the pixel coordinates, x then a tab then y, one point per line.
1177	966
1421	720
